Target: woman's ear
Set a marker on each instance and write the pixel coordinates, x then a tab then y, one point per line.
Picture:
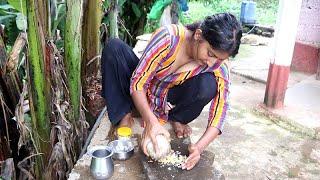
198	35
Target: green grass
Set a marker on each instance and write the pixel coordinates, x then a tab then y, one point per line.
266	10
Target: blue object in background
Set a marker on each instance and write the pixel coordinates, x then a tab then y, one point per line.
183	5
247	14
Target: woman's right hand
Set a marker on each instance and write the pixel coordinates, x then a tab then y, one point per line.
152	129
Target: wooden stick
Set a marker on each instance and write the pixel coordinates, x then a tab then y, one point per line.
13	58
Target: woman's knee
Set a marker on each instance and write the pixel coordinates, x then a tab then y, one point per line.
207	86
111	51
112	46
115	43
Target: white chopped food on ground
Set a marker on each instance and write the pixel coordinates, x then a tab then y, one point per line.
173	159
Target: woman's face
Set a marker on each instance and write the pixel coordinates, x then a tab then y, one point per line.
206	55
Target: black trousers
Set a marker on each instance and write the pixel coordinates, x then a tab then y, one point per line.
118	62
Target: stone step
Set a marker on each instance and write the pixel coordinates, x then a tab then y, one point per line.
203	170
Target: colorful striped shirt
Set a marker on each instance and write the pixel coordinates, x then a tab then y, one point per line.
153	76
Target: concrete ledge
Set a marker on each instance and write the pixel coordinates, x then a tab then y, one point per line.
129	169
287	123
248	76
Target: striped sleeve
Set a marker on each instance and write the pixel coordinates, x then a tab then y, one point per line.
220	104
150	61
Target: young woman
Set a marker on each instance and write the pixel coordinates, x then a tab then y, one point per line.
181	70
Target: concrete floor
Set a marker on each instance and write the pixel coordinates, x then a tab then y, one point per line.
251	146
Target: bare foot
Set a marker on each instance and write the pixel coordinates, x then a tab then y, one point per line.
181	130
126	121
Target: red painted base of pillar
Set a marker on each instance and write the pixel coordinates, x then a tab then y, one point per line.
276	85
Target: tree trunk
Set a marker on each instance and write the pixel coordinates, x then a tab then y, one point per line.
114	33
90	37
39	87
73	54
91	50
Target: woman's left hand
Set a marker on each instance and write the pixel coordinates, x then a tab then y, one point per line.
193	158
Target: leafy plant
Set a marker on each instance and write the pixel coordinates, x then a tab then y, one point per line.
13	19
132	18
19	5
60	18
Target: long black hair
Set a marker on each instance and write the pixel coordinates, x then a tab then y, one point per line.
222	31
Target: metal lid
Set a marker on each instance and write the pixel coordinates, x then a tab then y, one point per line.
124	131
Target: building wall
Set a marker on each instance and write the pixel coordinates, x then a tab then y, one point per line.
306	56
309	22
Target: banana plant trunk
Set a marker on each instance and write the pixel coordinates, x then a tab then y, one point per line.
91	49
39	87
44	13
90	37
73	55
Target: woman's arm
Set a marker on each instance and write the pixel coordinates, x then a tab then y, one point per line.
220	103
150	61
153	127
217	114
195	150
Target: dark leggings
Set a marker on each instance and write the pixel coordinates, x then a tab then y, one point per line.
117	65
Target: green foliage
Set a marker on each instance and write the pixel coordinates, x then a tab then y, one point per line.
19	5
121	2
131	19
266	10
151	26
13	20
11	30
59	21
106	5
136	9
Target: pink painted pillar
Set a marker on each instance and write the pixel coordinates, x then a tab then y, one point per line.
279	68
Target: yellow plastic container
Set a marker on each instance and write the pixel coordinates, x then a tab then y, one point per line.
124	133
